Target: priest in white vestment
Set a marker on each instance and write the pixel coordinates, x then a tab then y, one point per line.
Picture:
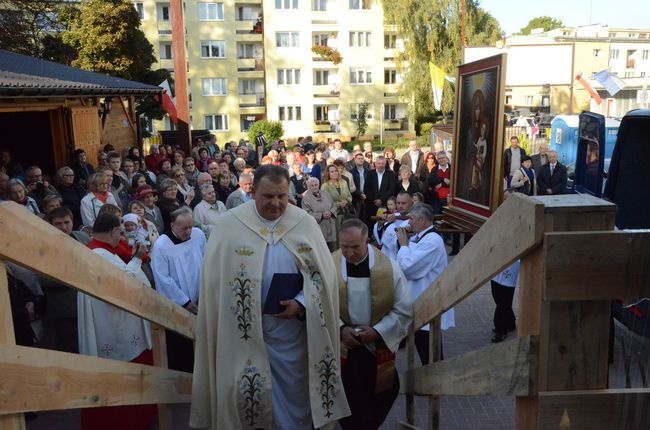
388	240
422	258
376	311
176	264
276	370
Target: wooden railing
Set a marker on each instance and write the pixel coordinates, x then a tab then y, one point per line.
33	379
572	266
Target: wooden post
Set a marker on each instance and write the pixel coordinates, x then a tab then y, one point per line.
409	398
566	329
159	341
7	337
180	76
435	340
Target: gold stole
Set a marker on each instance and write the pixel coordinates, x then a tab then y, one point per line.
381	302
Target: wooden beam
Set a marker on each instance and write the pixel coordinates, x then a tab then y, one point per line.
504	369
160	360
512	231
7	339
595	409
34	379
597	265
127	114
32	243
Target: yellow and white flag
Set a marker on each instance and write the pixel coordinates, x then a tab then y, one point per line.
437	83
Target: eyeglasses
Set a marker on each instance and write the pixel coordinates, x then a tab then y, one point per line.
178	175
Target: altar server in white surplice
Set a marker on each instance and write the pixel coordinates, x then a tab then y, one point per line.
422	258
272	370
388	240
176	264
376	312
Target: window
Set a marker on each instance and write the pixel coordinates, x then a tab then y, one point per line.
321	77
247	86
359	39
644	54
166	52
286	4
139	7
360	4
218	122
597	53
210	11
246	50
631	35
214	86
290	113
354	111
390	76
390	111
642	74
360	75
320	39
628	75
390	41
163	12
288	76
612	34
286	39
213	49
643	35
528	100
613	54
248	13
321	113
319	5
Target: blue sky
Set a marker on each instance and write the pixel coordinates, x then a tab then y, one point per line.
513	15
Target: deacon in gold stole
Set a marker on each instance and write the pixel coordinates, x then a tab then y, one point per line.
376	311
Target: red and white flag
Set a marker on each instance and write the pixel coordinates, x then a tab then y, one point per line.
167	102
590	90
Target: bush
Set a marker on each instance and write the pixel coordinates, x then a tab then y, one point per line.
272	130
425	128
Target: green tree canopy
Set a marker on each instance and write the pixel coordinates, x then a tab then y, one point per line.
107	38
545	22
431	31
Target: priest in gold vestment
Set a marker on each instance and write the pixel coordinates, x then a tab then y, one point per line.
256	370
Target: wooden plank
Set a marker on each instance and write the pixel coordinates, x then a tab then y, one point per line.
512	231
160	360
561	213
506	369
32	243
597	266
595	409
35	379
7	338
410	365
435	340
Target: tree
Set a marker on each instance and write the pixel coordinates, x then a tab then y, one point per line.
107	38
272	130
545	22
34	28
431	31
362	119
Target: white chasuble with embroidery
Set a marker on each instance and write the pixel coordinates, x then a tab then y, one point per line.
256	371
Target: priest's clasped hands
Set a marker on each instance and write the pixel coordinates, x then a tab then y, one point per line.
292	309
353	337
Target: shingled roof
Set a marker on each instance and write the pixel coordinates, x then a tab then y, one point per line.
23	76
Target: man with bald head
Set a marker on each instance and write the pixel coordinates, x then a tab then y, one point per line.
552	177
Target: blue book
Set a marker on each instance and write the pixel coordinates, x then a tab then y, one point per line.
284	286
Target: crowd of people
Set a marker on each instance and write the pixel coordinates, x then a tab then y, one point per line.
151	216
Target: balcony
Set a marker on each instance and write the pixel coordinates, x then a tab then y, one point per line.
325	91
630	64
164	27
248	31
166	63
326	126
252	103
250	64
398	124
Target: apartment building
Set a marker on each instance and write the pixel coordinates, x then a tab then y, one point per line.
252	59
541	68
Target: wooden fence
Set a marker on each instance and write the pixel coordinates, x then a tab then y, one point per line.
33	379
572	266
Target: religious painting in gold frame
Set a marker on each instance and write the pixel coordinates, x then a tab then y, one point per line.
477	179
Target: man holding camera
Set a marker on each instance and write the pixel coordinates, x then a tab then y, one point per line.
38	188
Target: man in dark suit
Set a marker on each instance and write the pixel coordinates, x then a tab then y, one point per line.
379	185
359	171
541	158
413	158
552	177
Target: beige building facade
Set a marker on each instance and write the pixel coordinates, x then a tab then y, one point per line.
252	59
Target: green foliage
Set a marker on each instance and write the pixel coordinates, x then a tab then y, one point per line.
545	22
362	119
34	27
108	39
523	142
272	130
327	53
431	31
425	128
